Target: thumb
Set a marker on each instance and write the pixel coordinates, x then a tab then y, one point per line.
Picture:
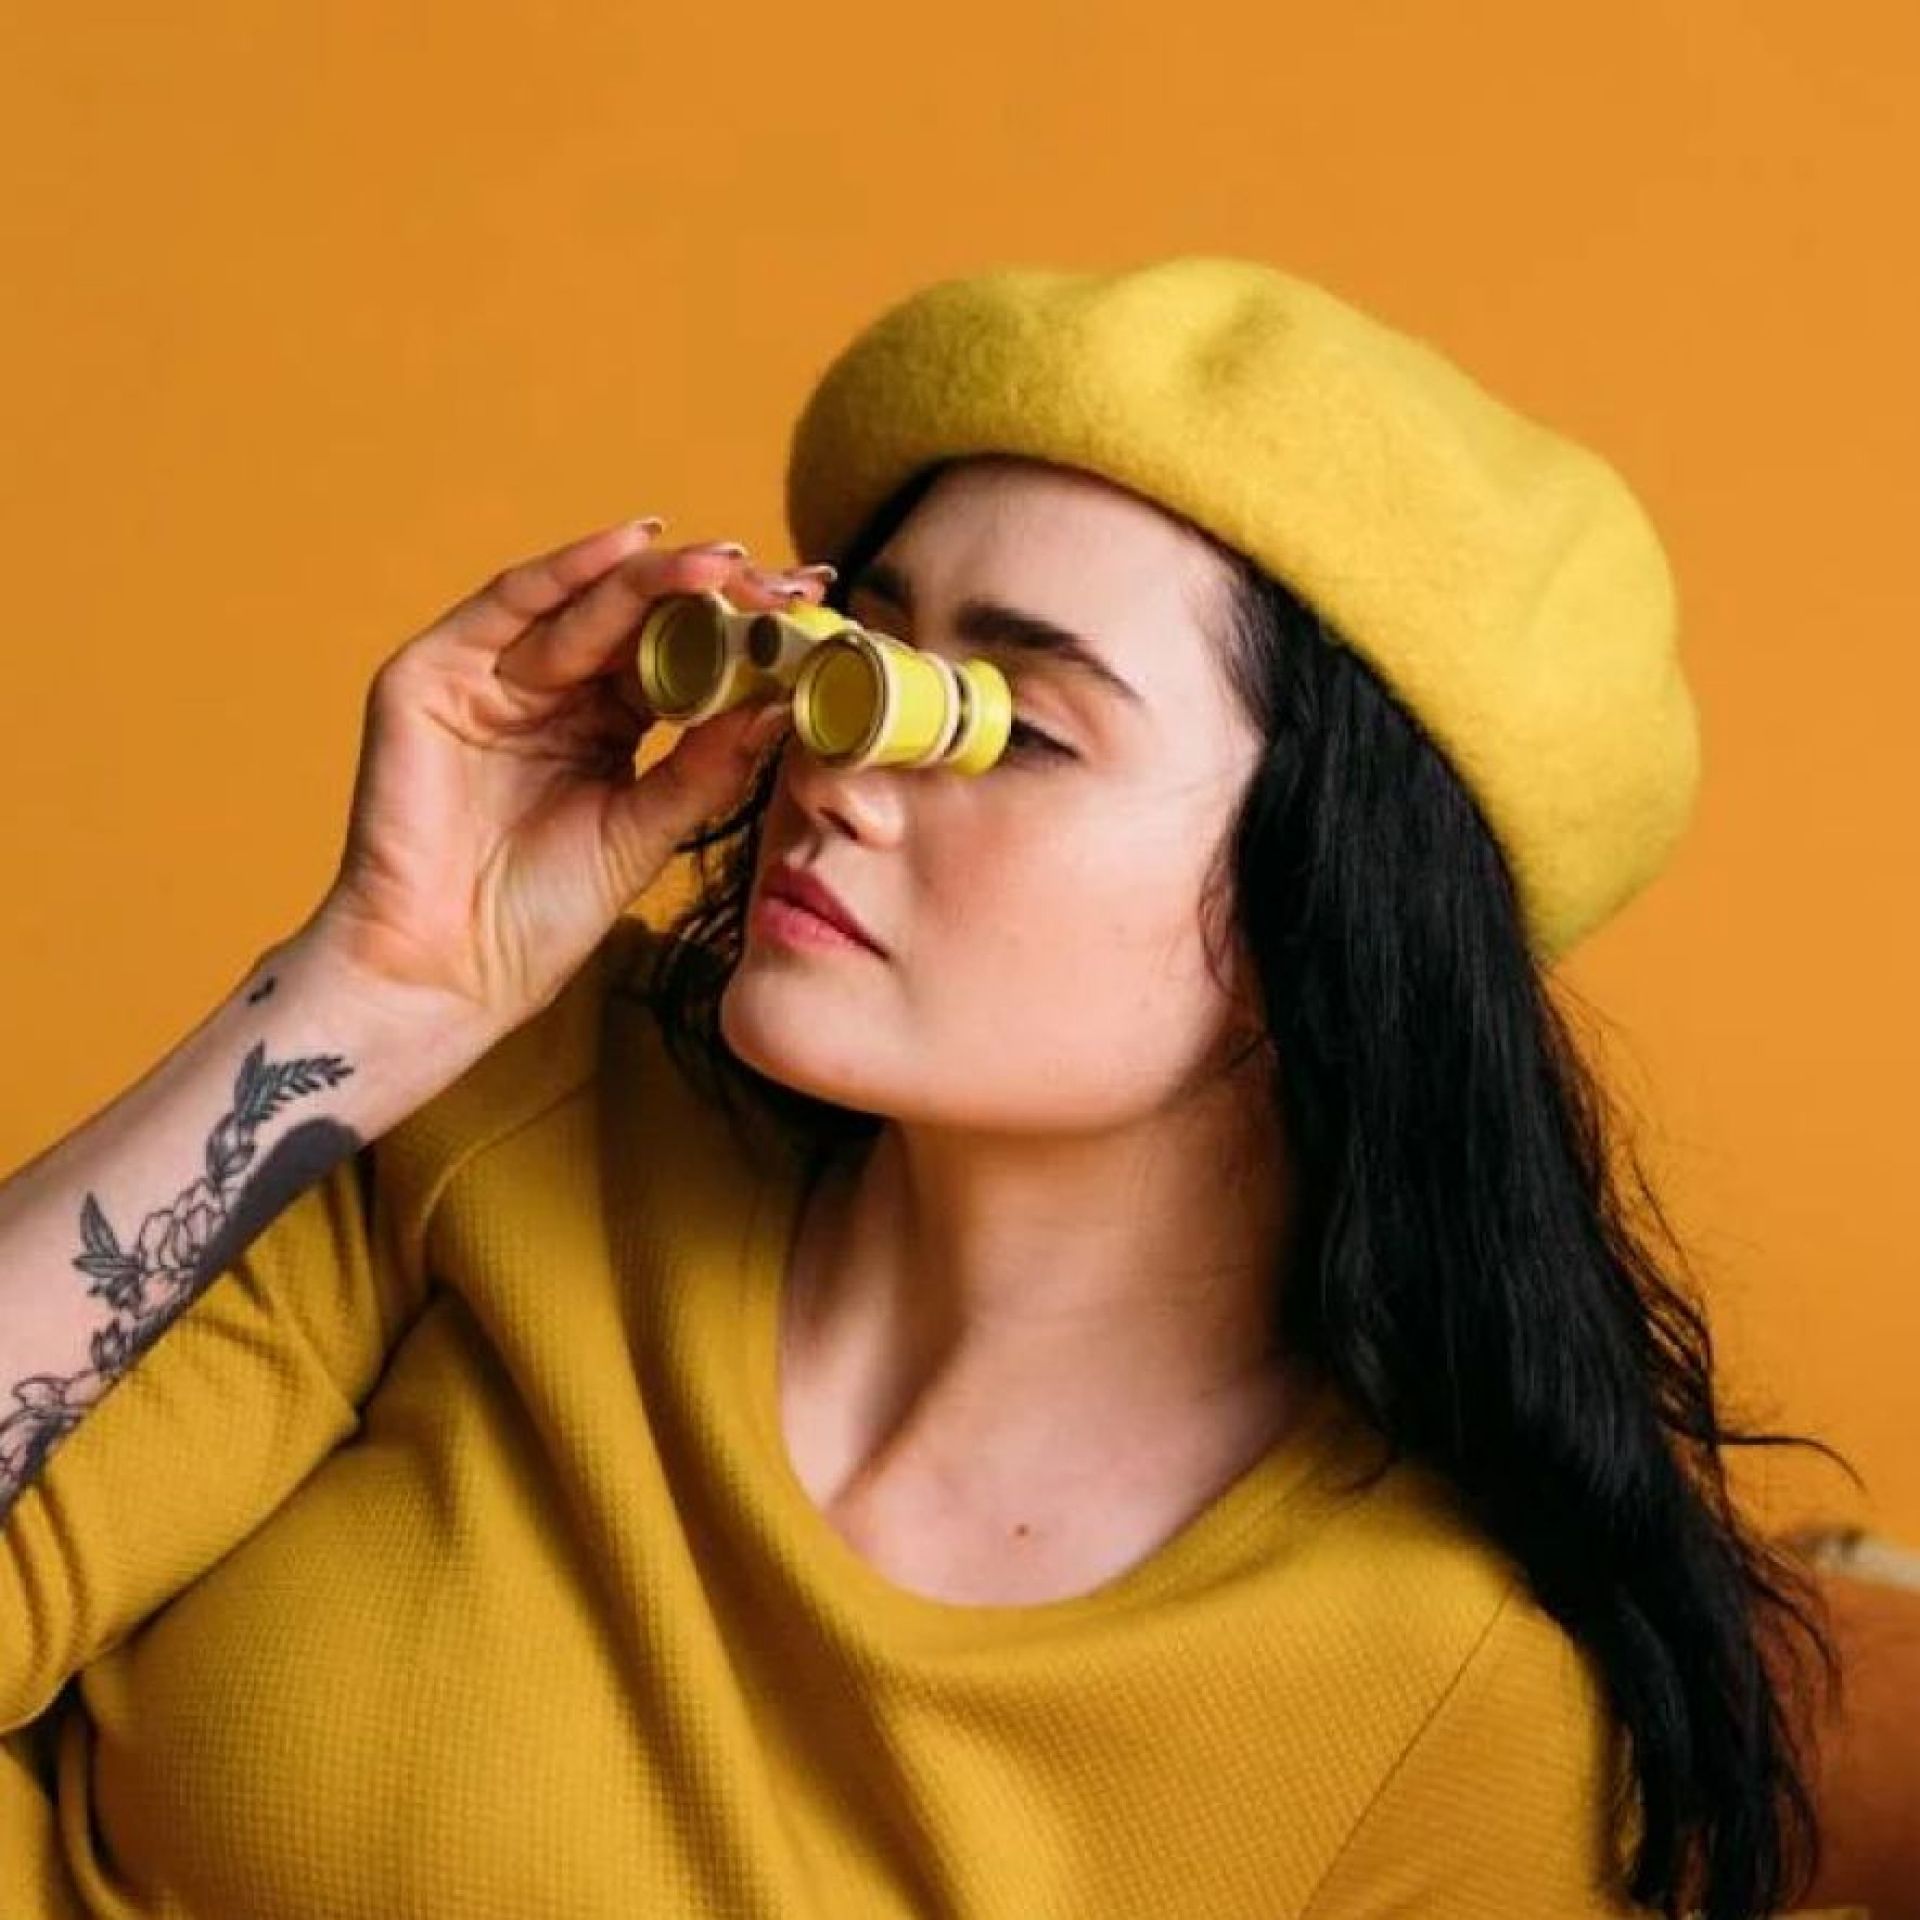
707	770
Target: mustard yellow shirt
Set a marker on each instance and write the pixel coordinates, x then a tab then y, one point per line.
444	1559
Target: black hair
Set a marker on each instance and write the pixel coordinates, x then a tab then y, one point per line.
1463	1257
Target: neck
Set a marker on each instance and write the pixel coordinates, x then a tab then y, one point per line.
1011	1292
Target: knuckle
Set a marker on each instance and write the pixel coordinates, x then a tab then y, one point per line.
394	677
667	778
524	589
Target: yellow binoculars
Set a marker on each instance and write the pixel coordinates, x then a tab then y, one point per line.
860	698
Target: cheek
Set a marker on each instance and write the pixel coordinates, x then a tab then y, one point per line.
1070	936
1092	873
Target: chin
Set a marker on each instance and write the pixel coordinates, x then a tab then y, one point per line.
785	1044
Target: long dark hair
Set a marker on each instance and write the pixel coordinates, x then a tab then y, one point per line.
1464	1259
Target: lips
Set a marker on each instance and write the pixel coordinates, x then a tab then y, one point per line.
786	882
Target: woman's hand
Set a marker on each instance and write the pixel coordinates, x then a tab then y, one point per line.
498	826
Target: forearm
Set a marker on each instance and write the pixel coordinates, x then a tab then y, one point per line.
111	1233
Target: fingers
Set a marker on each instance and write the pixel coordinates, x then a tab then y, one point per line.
499	612
599	630
706	770
581	637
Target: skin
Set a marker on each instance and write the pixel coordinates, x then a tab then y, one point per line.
1033	1310
1016	1334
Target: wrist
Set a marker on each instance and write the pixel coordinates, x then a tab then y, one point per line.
411	1038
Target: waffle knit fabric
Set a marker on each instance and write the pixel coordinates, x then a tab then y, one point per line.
1500	577
444	1559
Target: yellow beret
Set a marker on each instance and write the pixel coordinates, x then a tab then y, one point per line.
1501	578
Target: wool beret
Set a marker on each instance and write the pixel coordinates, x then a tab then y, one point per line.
1502	578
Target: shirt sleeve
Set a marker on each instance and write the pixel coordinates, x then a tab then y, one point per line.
204	1435
249	1389
1499	1806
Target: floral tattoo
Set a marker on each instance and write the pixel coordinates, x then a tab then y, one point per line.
180	1249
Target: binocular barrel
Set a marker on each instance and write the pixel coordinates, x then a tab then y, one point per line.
860	698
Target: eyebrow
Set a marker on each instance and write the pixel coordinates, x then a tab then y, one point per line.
989	623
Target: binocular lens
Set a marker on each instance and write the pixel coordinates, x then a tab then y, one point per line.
835	710
689	656
860	698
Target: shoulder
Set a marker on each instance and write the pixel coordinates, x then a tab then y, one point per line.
1496	1790
599	1056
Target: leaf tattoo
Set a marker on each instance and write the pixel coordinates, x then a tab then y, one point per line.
180	1249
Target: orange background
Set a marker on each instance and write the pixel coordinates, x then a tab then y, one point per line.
314	317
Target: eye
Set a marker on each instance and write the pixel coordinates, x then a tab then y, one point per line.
1022	738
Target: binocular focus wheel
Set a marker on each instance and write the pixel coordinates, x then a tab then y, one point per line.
763	643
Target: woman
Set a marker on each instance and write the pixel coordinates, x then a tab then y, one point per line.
886	1417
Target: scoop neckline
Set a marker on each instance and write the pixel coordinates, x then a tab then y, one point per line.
859	1588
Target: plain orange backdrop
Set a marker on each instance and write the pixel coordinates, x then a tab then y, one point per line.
313	317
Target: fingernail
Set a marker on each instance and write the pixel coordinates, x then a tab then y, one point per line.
719	546
651	524
823	568
763	726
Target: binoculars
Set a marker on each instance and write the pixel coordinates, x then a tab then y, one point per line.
860	698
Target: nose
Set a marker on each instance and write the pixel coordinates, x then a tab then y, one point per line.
862	803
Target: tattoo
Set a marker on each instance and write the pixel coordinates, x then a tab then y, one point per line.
180	1250
262	990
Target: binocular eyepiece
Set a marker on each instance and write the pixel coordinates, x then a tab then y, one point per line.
860	698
